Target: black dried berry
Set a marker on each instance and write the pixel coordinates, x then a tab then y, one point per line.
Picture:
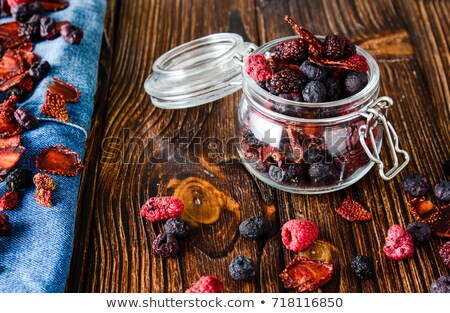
292	51
446	168
334	47
297	173
355	82
442	191
314	92
21	94
277	173
261	167
18	179
72	34
5	226
363	267
420	232
241	268
441	285
254	227
39	70
323	174
23	12
48	27
177	227
31	31
166	245
313	72
287	81
334	89
349	48
285	109
313	155
416	184
26	119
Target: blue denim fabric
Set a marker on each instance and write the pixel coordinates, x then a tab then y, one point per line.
36	257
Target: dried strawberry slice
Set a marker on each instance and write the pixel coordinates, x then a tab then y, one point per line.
59	160
353	211
423	210
13	81
345	64
10	29
27	84
11	64
54	5
9	157
68	91
315	45
8	124
303	274
10	141
55	106
441	226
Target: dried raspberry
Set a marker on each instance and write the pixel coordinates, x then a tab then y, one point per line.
44	187
59	160
18	179
287	81
71	33
334	47
162	208
5	226
444	252
257	67
353	211
360	61
177	227
423	210
26	119
399	244
55	106
292	51
207	284
165	245
298	235
48	27
39	70
349	48
9	200
303	274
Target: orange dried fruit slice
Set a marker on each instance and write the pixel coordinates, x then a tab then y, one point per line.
9	157
13	81
54	5
55	106
59	160
8	124
68	91
11	64
10	141
423	210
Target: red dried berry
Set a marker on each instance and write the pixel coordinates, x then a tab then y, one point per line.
399	244
26	119
9	157
257	67
5	226
162	208
298	235
303	274
207	284
288	81
13	3
59	160
353	211
360	61
54	5
444	252
9	200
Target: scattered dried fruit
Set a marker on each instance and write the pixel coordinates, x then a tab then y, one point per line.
10	141
292	51
207	284
416	184
441	285
420	232
9	157
177	227
442	191
353	211
9	200
444	252
59	160
303	274
39	70
13	81
68	91
254	227
363	267
54	5
242	268
44	188
18	179
72	34
55	106
48	27
23	12
423	210
441	226
5	226
257	67
315	45
162	208
26	119
399	244
165	245
298	235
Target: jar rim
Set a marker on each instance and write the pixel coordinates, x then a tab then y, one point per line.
368	90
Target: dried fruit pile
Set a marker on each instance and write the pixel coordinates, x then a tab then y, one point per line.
307	69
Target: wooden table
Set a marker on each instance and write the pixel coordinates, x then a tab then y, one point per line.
112	250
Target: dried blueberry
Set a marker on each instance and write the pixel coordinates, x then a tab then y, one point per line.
18	92
313	72
441	285
165	245
420	232
277	173
355	82
314	92
39	70
323	174
26	119
177	227
23	12
313	155
416	184
254	227
48	27
242	268
31	31
297	173
71	33
363	267
442	191
18	179
334	89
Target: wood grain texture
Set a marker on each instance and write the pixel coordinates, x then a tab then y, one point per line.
136	150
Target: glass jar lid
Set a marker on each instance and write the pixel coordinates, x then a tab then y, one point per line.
198	72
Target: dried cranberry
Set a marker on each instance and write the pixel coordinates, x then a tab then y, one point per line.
72	33
39	70
48	27
26	119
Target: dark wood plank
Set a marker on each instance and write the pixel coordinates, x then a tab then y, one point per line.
135	151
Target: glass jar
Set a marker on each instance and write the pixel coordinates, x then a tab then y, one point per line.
298	147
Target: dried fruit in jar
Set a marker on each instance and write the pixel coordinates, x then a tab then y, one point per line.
257	67
59	160
353	211
303	274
